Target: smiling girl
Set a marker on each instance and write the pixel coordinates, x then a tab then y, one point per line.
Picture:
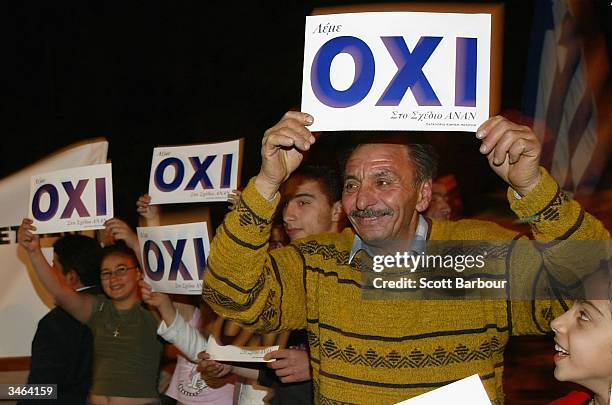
583	344
127	351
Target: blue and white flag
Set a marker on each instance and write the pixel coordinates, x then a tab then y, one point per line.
566	73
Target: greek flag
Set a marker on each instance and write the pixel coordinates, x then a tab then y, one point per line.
566	73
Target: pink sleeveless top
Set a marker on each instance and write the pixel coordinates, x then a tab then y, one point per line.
188	388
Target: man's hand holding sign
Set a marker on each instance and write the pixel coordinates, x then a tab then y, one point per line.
513	151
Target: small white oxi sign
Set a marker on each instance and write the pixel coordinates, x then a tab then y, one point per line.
397	71
73	199
195	173
174	257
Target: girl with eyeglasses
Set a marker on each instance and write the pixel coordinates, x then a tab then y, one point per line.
127	351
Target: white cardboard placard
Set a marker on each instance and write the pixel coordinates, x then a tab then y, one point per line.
194	173
174	257
73	199
397	71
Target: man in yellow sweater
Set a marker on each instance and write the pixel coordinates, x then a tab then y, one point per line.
383	351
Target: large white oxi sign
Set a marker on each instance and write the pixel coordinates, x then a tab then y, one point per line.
72	199
195	173
174	257
397	71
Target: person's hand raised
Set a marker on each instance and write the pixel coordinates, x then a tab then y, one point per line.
281	151
26	236
145	209
120	230
513	152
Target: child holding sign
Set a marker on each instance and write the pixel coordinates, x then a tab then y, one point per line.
126	349
184	326
186	316
583	342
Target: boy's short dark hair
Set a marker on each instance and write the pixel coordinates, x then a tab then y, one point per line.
80	254
328	178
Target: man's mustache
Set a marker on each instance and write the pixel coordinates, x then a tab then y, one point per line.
369	213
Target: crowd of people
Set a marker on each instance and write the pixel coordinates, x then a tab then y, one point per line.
287	267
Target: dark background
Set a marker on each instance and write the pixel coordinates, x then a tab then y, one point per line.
148	73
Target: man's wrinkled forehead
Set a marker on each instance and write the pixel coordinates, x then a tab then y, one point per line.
375	154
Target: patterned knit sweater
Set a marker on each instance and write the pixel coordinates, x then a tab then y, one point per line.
382	351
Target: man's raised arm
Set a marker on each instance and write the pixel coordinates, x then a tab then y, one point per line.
242	281
513	152
557	222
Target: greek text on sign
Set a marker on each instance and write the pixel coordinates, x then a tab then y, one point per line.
71	199
397	71
194	173
174	257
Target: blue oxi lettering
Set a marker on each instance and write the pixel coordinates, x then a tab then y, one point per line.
179	173
410	71
465	72
177	264
74	202
409	75
74	199
198	246
364	72
200	176
39	214
158	273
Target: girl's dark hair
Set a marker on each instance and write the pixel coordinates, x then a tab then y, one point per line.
119	248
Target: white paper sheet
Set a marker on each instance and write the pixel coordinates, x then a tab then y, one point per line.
194	173
235	353
73	199
397	71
